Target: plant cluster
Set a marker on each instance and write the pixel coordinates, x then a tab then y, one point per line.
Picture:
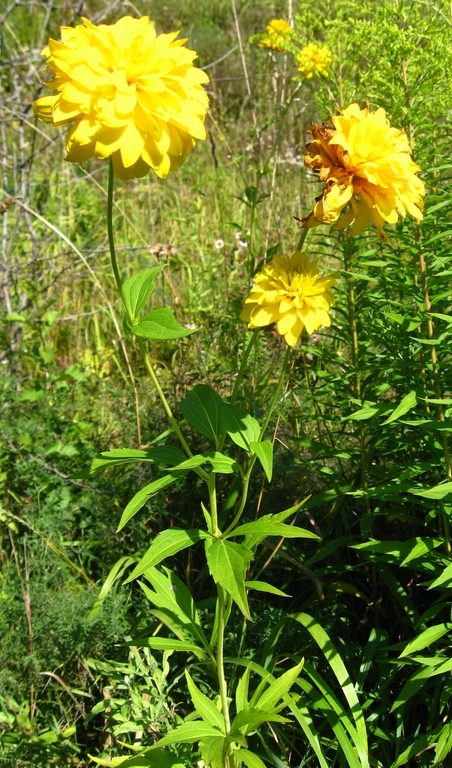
284	508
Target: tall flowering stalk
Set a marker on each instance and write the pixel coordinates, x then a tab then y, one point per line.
135	97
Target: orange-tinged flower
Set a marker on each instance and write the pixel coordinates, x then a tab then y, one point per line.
290	292
128	93
366	165
278	32
313	60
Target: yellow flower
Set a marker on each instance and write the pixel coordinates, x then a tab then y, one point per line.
290	293
129	94
278	32
365	163
313	60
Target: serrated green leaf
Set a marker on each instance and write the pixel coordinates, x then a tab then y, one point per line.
143	496
204	706
267	525
160	324
264	452
242	428
405	405
165	544
250	759
165	455
219	462
137	289
262	586
228	563
203	409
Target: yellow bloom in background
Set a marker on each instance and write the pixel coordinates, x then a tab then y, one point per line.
278	32
128	93
366	165
290	293
313	60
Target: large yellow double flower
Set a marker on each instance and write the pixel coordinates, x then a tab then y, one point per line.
366	164
129	94
290	292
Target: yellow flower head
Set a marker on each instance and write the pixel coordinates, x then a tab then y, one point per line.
290	293
278	32
128	93
313	60
365	163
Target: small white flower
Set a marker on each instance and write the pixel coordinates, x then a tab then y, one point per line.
219	244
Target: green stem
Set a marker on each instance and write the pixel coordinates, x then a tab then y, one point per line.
242	368
222	684
141	345
303	236
211	485
246	479
110	231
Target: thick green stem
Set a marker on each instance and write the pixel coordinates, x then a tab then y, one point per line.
303	236
222	684
110	231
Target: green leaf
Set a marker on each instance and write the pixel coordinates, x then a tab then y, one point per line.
187	733
160	324
228	563
437	492
242	428
142	496
428	636
262	586
250	719
165	455
250	759
337	665
445	576
275	692
264	452
137	289
169	644
422	546
165	544
219	462
268	526
241	691
204	706
365	413
405	405
444	743
203	409
159	758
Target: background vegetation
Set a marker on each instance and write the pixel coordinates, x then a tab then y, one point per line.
363	428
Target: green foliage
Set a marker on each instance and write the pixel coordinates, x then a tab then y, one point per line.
354	574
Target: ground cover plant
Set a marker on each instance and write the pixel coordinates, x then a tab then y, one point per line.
225	458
